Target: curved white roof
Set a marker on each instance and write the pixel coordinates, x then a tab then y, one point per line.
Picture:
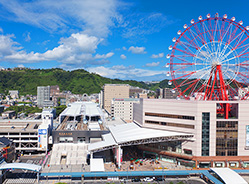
131	133
23	166
229	176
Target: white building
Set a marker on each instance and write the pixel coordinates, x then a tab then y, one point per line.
14	93
28	135
123	108
43	96
217	141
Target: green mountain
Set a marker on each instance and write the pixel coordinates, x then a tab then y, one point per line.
77	81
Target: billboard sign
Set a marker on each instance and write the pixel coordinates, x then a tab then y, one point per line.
42	131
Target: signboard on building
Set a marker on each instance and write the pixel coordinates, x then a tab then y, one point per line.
247	136
42	131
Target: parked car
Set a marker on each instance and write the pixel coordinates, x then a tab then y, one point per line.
159	179
123	180
148	179
135	180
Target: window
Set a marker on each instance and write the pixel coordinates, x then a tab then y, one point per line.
226	138
170	116
171	124
205	134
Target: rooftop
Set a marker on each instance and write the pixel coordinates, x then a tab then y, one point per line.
18	125
132	134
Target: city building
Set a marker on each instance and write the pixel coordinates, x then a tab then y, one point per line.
219	141
167	93
159	93
1	108
170	93
14	94
54	90
142	95
80	122
63	101
114	91
9	114
123	108
7	149
135	90
43	96
29	135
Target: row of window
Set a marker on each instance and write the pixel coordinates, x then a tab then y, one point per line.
170	116
205	134
226	138
170	124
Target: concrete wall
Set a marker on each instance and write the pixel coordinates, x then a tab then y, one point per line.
75	134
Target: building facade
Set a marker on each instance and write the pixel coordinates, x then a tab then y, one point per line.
43	96
215	137
123	108
114	91
167	93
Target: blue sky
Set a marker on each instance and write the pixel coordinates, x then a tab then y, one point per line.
114	38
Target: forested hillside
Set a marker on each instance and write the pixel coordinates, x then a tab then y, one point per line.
77	81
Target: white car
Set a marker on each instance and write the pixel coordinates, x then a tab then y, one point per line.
148	179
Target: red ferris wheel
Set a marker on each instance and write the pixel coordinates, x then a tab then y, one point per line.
210	60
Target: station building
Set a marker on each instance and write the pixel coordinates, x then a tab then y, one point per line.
218	141
80	122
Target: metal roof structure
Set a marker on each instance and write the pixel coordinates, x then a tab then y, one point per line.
132	134
23	166
92	109
82	108
229	176
74	109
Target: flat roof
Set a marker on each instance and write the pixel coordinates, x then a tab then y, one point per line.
97	165
82	108
92	109
229	176
73	109
132	134
19	125
23	166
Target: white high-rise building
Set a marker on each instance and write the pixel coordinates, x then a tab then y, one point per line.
123	108
43	96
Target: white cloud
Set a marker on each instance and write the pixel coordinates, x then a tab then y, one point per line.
124	48
93	17
160	55
137	50
124	72
152	64
27	37
7	45
122	56
78	49
104	56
